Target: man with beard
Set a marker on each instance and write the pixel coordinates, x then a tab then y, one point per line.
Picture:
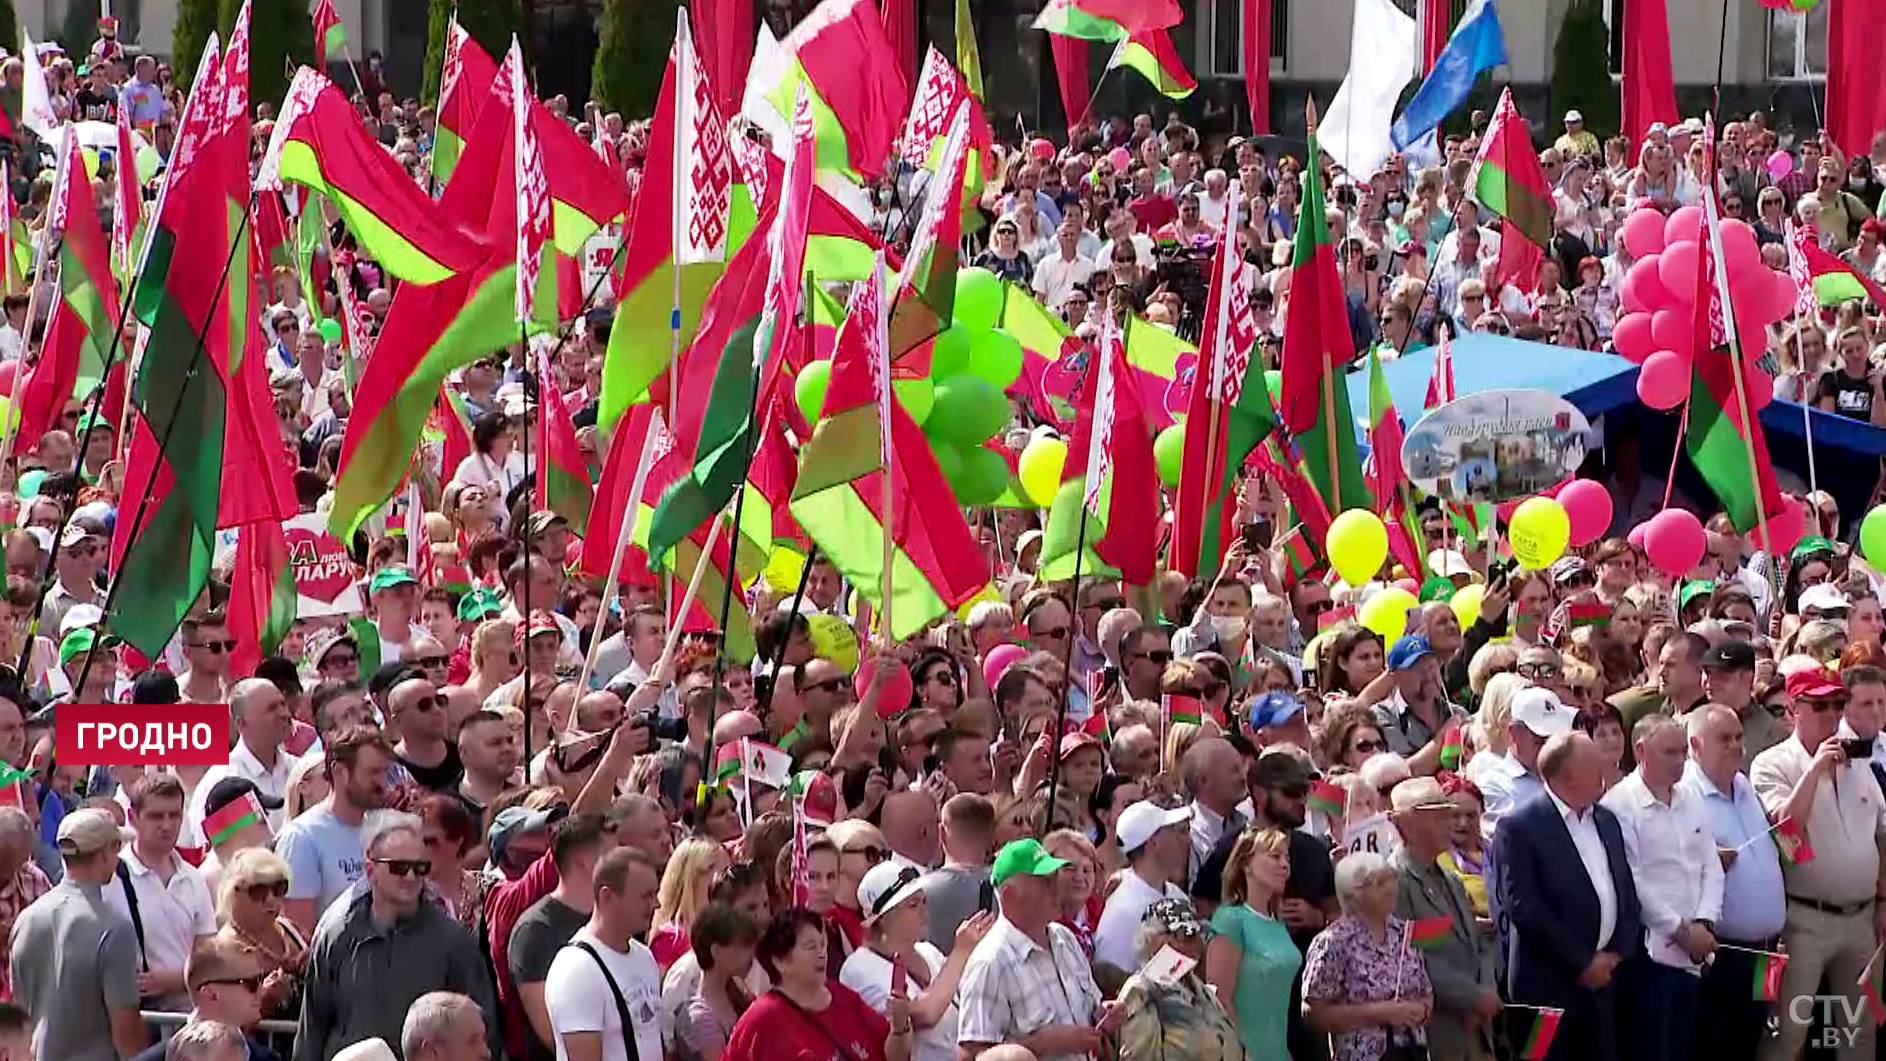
323	846
1280	782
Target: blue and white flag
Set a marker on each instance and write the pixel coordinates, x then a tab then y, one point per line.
1476	45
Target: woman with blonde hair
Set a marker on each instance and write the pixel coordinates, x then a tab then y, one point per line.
1823	639
1488	729
683	894
1252	960
249	905
307	785
494	657
1077	884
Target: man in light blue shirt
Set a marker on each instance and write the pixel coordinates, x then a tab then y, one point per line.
1730	1024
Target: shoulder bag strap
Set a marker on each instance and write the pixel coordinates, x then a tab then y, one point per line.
137	920
622	1004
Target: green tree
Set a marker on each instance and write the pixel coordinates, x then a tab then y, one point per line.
1581	72
196	20
9	26
281	36
438	17
632	54
491	23
77	30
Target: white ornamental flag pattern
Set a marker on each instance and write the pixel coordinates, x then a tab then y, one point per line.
939	198
533	189
751	155
937	93
1100	439
704	162
1237	328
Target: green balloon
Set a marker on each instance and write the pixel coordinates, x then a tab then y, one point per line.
809	389
978	298
330	329
1274	382
1169	454
949	352
949	462
968	410
1873	537
983	477
996	356
917	396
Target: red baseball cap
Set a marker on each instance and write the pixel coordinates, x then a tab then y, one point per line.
1815	683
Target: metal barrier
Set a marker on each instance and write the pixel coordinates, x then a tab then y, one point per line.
277	1035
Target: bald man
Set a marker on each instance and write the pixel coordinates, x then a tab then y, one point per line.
259	714
737	725
909	823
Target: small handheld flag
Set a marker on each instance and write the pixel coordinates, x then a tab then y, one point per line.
233	818
1180	708
1768	969
1539	1040
1427	933
1791	842
1873	1003
1328	798
1453	748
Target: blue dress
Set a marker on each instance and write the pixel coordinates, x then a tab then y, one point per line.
1265	972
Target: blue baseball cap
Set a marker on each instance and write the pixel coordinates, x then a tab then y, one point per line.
1274	709
1408	651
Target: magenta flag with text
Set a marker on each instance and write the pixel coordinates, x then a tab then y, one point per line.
723	32
1856	83
1648	86
1070	73
1257	64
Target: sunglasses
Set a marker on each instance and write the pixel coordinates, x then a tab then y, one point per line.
1547	671
872	853
943	677
427	704
1055	633
247	983
1159	656
261	890
406	867
1108	604
216	648
1370	747
1319	607
431	661
336	659
830	685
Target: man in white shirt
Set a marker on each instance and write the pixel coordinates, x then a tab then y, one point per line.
1213	772
394	594
1538	715
1679	887
1157	843
163	896
1216	200
260	716
628	657
13	331
1057	273
1818	798
603	962
1123	227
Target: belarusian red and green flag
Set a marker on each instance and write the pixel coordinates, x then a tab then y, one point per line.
925	297
1107	20
232	818
841	59
330	37
85	319
319	143
1314	402
1111	455
678	238
1539	1038
127	226
865	452
1768	969
563	483
263	601
1508	180
16	244
1386	476
1228	413
464	85
1151	53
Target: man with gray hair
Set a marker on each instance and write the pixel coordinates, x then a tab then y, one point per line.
368	965
444	1026
259	718
1270	633
1134	752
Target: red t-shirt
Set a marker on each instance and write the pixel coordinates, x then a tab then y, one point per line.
773	1029
1153	210
504	904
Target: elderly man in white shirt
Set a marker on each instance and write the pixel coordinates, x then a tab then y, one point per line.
1679	887
1156	842
259	714
1057	273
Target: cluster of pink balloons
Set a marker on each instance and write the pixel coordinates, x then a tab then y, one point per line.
1658	329
1587	505
1674	542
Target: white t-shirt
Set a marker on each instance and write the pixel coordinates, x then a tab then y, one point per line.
869	974
579	999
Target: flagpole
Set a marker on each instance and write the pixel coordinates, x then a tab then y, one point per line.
33	288
626	533
1807	405
798	595
1328	384
163	446
1067	677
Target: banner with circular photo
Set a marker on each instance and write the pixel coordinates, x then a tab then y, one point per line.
1496	445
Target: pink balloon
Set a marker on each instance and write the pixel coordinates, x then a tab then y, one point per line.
1636	536
1588	504
1643	286
1782	294
1676	268
1672	329
1632	337
1781	530
1684	226
1738	241
897	691
1779	164
1674	541
1120	159
1643	232
1041	149
1664	380
999	659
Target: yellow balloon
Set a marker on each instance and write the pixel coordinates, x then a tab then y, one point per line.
1039	469
1387	612
833	638
1357	545
1540	531
988	592
91	162
1466	603
782	569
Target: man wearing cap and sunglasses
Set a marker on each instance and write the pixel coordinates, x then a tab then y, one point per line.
393	592
81	556
1537	716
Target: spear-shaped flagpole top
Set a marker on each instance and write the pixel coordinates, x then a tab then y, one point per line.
1309	114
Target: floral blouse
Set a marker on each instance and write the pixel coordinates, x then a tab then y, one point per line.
1347	966
1178	1023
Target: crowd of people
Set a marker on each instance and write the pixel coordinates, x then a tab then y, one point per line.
1207	819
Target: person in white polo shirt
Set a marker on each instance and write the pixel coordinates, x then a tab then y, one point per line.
1538	715
162	896
1157	843
893	897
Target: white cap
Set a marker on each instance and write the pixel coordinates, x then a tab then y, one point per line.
80	616
367	1050
887	885
1448	563
1824	597
1573	116
1139	822
1542	712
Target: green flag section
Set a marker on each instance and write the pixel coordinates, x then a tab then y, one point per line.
16	244
464	85
1314	403
262	596
1228	413
330	36
319	143
1106	20
1508	180
841	59
174	468
1063	534
746	372
842	490
678	238
85	319
1152	54
1045	339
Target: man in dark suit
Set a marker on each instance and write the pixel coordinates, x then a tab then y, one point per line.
1567	899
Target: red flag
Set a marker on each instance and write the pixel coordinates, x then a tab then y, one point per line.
262	596
1441	381
630	446
327	31
258	474
1435	15
1856	83
1648	86
1257	64
725	30
1070	74
1131	540
900	28
562	476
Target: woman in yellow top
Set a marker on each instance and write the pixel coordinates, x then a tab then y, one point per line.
1466	857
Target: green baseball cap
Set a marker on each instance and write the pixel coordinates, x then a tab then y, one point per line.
89	420
479	604
1023	858
84	639
1810	545
1436	588
390	576
1693	590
